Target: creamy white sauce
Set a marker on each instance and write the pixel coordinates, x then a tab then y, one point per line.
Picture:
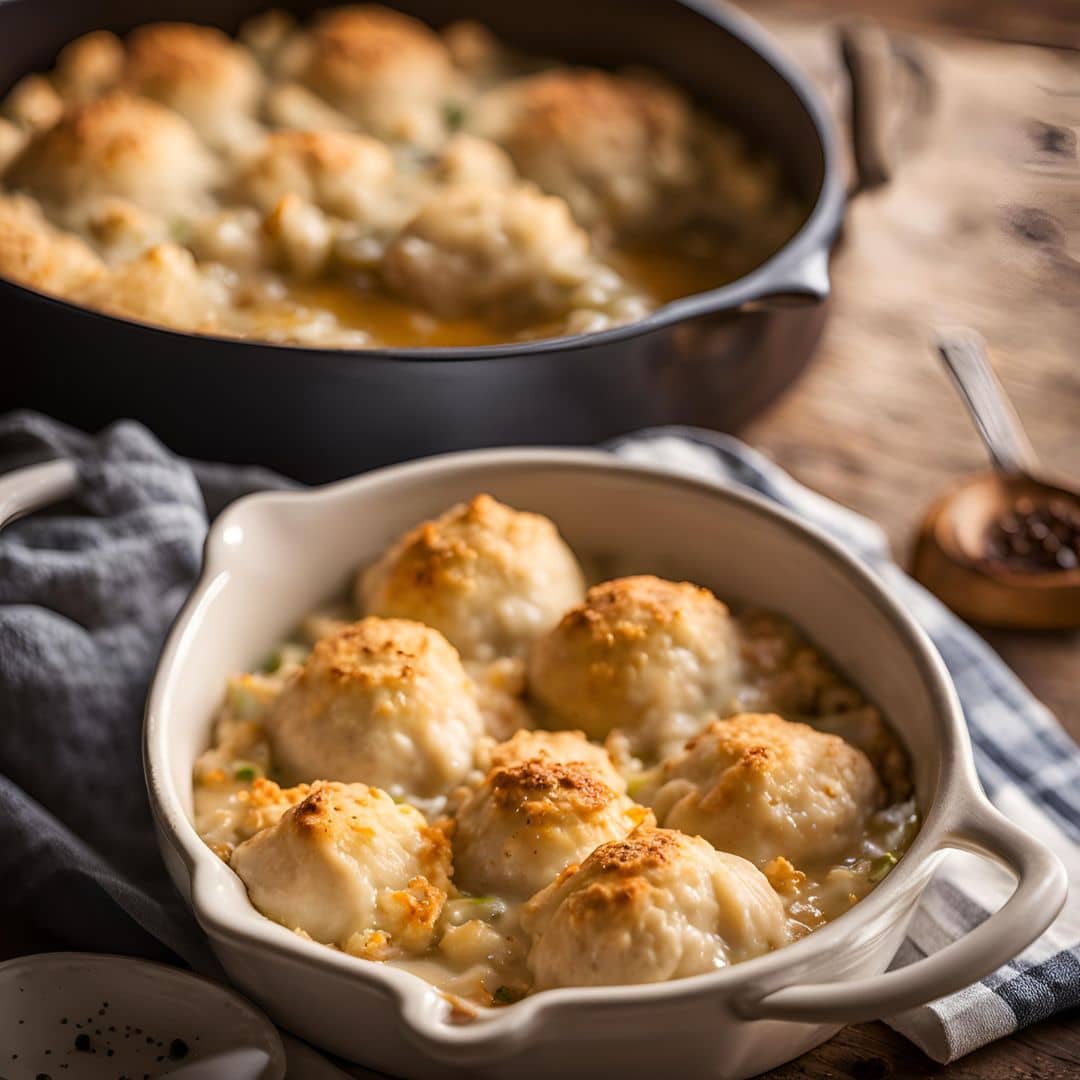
481	951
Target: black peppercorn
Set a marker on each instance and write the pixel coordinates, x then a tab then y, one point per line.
1036	537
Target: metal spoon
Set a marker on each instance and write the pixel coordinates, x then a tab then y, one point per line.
966	360
246	1064
952	556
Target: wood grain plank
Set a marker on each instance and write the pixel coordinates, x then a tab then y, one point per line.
980	225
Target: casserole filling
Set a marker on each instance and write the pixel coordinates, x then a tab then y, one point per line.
365	181
481	770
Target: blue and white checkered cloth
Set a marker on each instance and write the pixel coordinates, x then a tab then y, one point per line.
1028	765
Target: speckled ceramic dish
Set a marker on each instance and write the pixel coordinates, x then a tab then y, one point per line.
90	1016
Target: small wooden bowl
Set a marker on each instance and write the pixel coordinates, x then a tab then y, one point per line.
950	559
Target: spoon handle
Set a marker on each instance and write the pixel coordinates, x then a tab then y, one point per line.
965	358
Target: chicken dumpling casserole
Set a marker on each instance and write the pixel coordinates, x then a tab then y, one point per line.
477	768
363	180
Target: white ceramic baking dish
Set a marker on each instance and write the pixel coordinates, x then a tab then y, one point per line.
272	557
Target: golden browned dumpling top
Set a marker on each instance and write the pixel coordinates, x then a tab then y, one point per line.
342	173
503	250
650	657
350	867
382	701
36	253
612	146
117	145
198	72
530	819
656	905
489	577
763	787
163	285
466	159
32	104
389	72
557	747
89	65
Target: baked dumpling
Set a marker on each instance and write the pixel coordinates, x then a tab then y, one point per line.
120	231
292	105
616	148
350	867
650	657
32	104
557	747
530	819
509	251
388	72
656	905
382	701
117	145
488	577
12	140
198	72
762	787
345	174
225	822
89	65
163	285
34	252
465	159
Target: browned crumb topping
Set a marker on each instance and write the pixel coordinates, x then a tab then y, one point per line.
442	554
627	608
171	52
783	877
555	102
111	125
350	42
541	779
644	849
322	151
373	652
606	895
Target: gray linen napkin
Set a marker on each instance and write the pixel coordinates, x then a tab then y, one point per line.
87	593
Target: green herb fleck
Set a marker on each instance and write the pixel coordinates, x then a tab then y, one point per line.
453	115
180	230
243	701
273	663
246	772
881	866
507	995
638	782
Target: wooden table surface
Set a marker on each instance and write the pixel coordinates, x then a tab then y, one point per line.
979	225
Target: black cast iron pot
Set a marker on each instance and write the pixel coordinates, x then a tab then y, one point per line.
713	359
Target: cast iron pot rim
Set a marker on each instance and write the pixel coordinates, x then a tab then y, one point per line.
814	236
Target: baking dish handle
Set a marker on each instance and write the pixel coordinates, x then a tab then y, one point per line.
1034	904
32	487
